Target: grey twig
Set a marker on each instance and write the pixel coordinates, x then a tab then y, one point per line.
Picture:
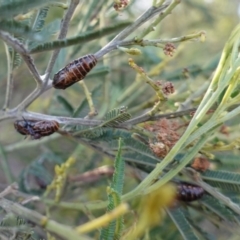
50	225
151	12
9	79
20	48
62	34
44	87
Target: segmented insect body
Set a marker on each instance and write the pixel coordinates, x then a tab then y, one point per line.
188	192
36	129
44	128
74	71
24	127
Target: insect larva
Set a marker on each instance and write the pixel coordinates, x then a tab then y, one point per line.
188	192
74	71
36	129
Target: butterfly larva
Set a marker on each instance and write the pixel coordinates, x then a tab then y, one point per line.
188	192
35	128
74	71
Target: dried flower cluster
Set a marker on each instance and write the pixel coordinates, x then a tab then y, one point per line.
201	164
120	4
169	49
167	87
166	135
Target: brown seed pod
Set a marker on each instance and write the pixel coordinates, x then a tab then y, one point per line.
188	192
74	71
36	129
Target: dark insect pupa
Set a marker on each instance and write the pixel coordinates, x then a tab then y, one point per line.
189	192
36	129
45	128
74	71
24	126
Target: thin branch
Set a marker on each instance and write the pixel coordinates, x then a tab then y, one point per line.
82	38
94	122
187	103
62	34
20	48
47	85
93	175
6	166
9	189
9	79
28	100
151	12
93	111
43	221
159	42
161	16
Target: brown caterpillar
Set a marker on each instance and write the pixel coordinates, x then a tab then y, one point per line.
74	71
188	192
36	129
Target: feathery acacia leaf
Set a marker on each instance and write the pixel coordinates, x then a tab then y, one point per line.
113	230
12	8
40	19
115	116
15	27
222	179
66	104
79	39
182	224
217	208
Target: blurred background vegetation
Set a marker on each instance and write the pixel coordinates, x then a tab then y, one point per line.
31	162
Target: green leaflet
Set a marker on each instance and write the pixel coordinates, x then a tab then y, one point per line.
15	57
118	176
66	104
135	145
217	208
100	133
182	224
77	40
10	9
45	33
114	229
222	179
115	117
200	230
40	19
36	176
136	157
15	27
111	134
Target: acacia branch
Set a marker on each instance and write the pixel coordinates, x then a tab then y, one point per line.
62	34
151	12
20	48
43	221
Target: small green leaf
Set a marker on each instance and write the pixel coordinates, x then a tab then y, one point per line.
67	106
